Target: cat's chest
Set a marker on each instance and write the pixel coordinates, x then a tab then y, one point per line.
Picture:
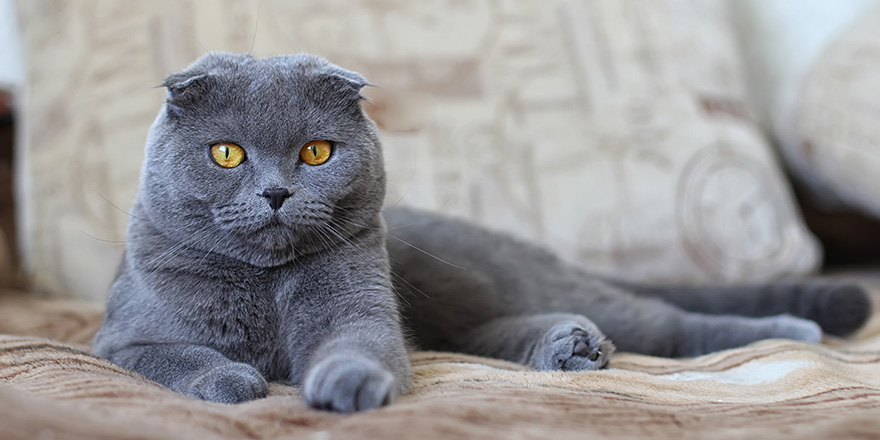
244	306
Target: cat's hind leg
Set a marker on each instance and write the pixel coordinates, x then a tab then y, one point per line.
840	307
551	341
701	334
652	327
194	370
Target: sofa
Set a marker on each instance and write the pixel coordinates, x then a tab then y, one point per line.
624	135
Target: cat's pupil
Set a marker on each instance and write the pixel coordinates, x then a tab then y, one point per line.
226	152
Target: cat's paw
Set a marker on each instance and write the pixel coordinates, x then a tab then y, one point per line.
790	327
841	307
572	346
228	383
346	384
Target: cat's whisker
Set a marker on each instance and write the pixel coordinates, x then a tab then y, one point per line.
360	225
390	270
333	244
313	239
129	239
163	258
169	254
116	206
104	240
406	243
426	252
219	240
256	26
326	242
207	52
394	228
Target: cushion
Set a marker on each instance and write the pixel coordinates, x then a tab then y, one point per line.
829	130
614	132
816	72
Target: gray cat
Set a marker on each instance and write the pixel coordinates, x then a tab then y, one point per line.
257	250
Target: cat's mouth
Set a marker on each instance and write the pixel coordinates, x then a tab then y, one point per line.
279	234
275	232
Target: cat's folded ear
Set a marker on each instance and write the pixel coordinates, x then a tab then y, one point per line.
186	90
346	82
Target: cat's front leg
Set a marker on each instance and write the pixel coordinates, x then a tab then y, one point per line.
194	370
547	341
345	339
346	380
357	367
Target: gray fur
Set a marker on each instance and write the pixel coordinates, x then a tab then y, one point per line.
214	281
474	277
219	293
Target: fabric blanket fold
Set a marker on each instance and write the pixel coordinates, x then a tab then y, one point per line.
52	387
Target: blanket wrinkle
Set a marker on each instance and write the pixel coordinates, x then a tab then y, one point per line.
51	386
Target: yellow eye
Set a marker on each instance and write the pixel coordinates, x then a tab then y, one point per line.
316	152
227	155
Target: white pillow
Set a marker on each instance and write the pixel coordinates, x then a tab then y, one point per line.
815	72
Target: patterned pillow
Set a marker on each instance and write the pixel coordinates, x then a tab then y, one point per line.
612	131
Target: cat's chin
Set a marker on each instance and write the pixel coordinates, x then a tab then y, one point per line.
273	244
272	237
269	258
263	251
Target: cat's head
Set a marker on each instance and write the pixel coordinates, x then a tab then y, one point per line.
261	158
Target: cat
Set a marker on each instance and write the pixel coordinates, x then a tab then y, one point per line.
258	251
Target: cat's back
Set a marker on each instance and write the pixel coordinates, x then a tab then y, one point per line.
442	256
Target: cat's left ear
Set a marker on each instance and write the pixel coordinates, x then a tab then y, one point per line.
347	82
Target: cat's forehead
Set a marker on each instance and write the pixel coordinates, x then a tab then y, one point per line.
267	101
286	75
242	67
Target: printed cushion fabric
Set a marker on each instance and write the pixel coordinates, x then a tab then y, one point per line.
51	387
614	132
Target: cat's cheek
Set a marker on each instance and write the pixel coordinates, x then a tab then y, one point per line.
214	185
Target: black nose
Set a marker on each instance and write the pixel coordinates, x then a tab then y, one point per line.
276	197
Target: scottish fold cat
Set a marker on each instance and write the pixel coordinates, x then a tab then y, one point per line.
258	251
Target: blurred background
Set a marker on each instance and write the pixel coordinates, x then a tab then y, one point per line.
686	141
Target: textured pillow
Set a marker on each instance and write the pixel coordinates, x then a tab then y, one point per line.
829	131
612	131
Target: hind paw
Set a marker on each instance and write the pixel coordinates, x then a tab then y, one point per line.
843	308
790	327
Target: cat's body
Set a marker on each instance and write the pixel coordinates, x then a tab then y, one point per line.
257	252
472	276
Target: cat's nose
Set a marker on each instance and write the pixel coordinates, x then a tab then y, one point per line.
276	197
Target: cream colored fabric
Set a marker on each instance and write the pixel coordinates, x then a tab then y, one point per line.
612	131
768	390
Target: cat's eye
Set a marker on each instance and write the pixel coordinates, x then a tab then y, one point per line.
227	154
316	152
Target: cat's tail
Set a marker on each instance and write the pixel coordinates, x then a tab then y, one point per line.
839	307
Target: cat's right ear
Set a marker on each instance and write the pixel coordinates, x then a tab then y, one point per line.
186	90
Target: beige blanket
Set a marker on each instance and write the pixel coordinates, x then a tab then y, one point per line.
51	387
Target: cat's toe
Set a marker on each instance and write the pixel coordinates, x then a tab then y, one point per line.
233	383
570	346
790	327
586	354
346	384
